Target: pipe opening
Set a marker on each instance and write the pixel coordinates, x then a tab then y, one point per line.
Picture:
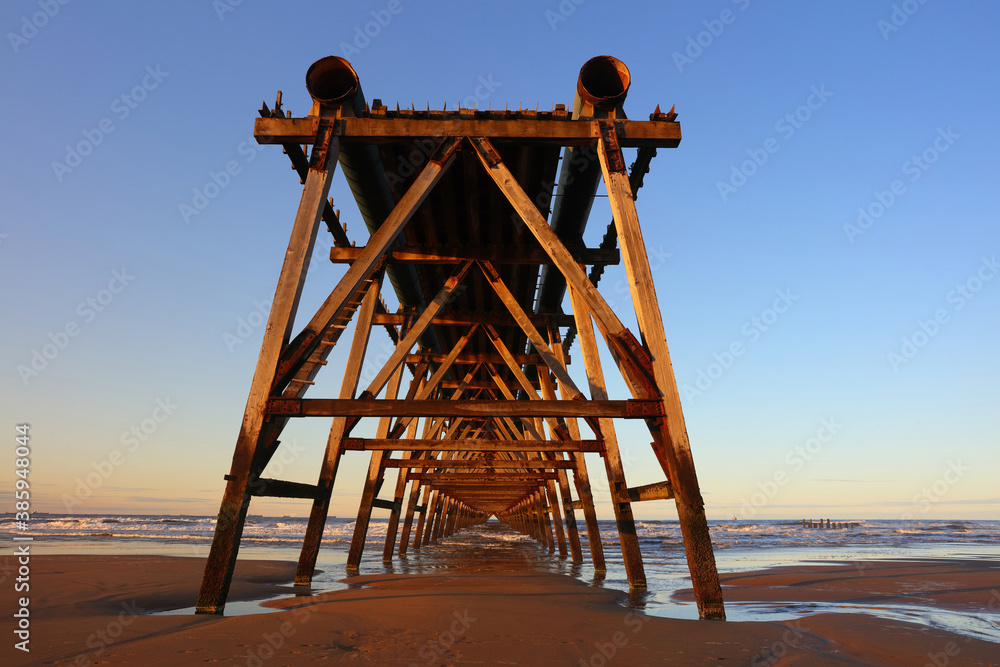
331	80
604	81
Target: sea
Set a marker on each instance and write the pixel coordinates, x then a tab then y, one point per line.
740	545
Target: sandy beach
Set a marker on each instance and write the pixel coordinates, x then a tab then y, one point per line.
100	610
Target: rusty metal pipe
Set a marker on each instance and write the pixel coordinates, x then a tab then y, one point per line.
333	83
601	88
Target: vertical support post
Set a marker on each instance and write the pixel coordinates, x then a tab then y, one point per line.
581	478
411	506
550	490
393	527
543	505
631	554
375	473
331	461
426	520
236	498
673	450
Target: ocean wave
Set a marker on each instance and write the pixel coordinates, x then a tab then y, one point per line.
653	535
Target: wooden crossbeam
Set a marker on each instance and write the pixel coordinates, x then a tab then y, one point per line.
659	134
477	358
276	488
340	407
453	319
385	504
487	464
654	491
468	445
494	255
496	477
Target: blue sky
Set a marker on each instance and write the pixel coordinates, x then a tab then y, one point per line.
872	393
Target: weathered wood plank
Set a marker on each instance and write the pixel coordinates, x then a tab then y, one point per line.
473	445
499	477
654	491
336	407
486	464
380	130
456	255
277	488
464	319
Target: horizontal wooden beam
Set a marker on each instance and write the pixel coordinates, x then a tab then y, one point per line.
479	384
631	133
497	477
386	504
464	319
277	488
419	445
655	491
472	464
477	358
346	407
492	254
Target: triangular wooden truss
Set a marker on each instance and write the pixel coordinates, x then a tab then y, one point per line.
480	450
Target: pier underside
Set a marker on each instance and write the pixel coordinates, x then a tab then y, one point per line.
477	414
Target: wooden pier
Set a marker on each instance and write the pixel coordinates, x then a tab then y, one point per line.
477	414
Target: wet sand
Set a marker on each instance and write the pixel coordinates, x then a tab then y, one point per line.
96	610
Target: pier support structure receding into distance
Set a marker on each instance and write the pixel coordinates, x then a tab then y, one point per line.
457	206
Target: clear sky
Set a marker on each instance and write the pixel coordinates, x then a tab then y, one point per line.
830	212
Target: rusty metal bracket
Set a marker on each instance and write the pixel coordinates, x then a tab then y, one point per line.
485	148
321	145
612	150
643	408
289	407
